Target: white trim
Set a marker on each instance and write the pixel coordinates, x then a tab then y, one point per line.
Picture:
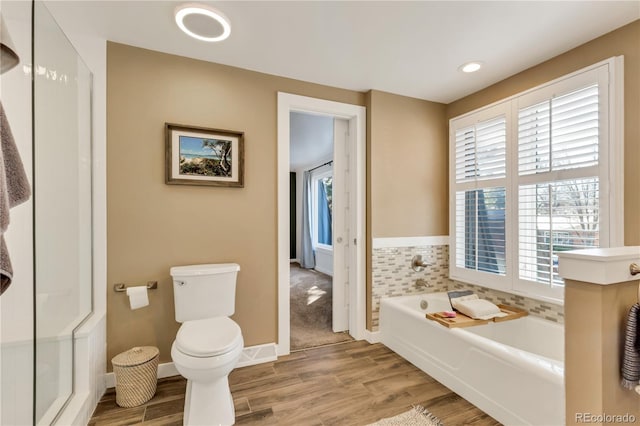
323	254
441	240
601	266
372	336
616	152
258	354
166	369
251	355
323	270
357	122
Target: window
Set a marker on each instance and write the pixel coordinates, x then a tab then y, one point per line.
324	211
481	230
322	208
532	176
480	186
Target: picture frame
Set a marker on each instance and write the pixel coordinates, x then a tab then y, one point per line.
203	156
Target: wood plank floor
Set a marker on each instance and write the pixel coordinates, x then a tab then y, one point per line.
353	383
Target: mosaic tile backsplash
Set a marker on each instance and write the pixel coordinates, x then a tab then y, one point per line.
393	276
548	311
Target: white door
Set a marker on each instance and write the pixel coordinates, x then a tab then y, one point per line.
341	220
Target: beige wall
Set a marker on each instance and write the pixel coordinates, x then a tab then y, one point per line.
153	226
595	317
407	170
408	162
623	41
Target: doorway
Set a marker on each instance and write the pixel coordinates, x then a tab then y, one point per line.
348	219
316	193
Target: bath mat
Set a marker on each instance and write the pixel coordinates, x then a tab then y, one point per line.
417	416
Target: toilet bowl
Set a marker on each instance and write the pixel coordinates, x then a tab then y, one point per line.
209	343
204	352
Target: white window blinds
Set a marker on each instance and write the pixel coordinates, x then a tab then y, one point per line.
481	169
480	230
554	217
531	177
560	133
481	151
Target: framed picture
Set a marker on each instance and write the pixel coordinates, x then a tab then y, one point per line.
202	156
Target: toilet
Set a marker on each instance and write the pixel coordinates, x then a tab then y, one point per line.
209	343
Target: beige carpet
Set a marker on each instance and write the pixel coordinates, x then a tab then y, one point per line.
311	310
417	416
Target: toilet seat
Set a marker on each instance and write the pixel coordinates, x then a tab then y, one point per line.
208	337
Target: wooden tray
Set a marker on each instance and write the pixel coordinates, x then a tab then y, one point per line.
461	320
512	313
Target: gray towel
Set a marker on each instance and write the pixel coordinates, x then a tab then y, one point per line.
14	190
6	272
630	358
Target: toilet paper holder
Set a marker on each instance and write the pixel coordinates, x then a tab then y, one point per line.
121	287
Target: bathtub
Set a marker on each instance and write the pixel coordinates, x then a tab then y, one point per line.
512	370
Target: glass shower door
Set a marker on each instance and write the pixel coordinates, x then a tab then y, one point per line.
62	209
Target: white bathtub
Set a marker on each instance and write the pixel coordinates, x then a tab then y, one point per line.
512	370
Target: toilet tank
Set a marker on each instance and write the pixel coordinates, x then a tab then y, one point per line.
204	291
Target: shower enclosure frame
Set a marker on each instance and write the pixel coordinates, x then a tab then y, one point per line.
47	98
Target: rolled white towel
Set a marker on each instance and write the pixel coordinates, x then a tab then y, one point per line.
476	308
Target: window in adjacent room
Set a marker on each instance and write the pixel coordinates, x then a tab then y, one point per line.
322	208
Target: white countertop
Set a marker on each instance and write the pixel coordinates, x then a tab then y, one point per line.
601	266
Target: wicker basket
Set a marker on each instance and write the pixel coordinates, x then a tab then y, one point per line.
136	372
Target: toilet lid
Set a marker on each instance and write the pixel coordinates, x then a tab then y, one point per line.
208	337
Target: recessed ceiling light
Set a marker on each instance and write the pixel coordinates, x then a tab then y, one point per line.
202	22
470	66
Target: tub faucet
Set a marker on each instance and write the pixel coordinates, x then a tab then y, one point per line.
422	283
417	264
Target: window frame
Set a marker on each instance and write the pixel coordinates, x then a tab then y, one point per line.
462	274
609	76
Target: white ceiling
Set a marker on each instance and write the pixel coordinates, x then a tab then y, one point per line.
408	48
311	139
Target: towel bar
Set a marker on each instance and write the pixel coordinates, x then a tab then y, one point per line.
634	269
121	287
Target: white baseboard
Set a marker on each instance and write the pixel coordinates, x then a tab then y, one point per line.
167	370
251	355
322	270
258	354
372	336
